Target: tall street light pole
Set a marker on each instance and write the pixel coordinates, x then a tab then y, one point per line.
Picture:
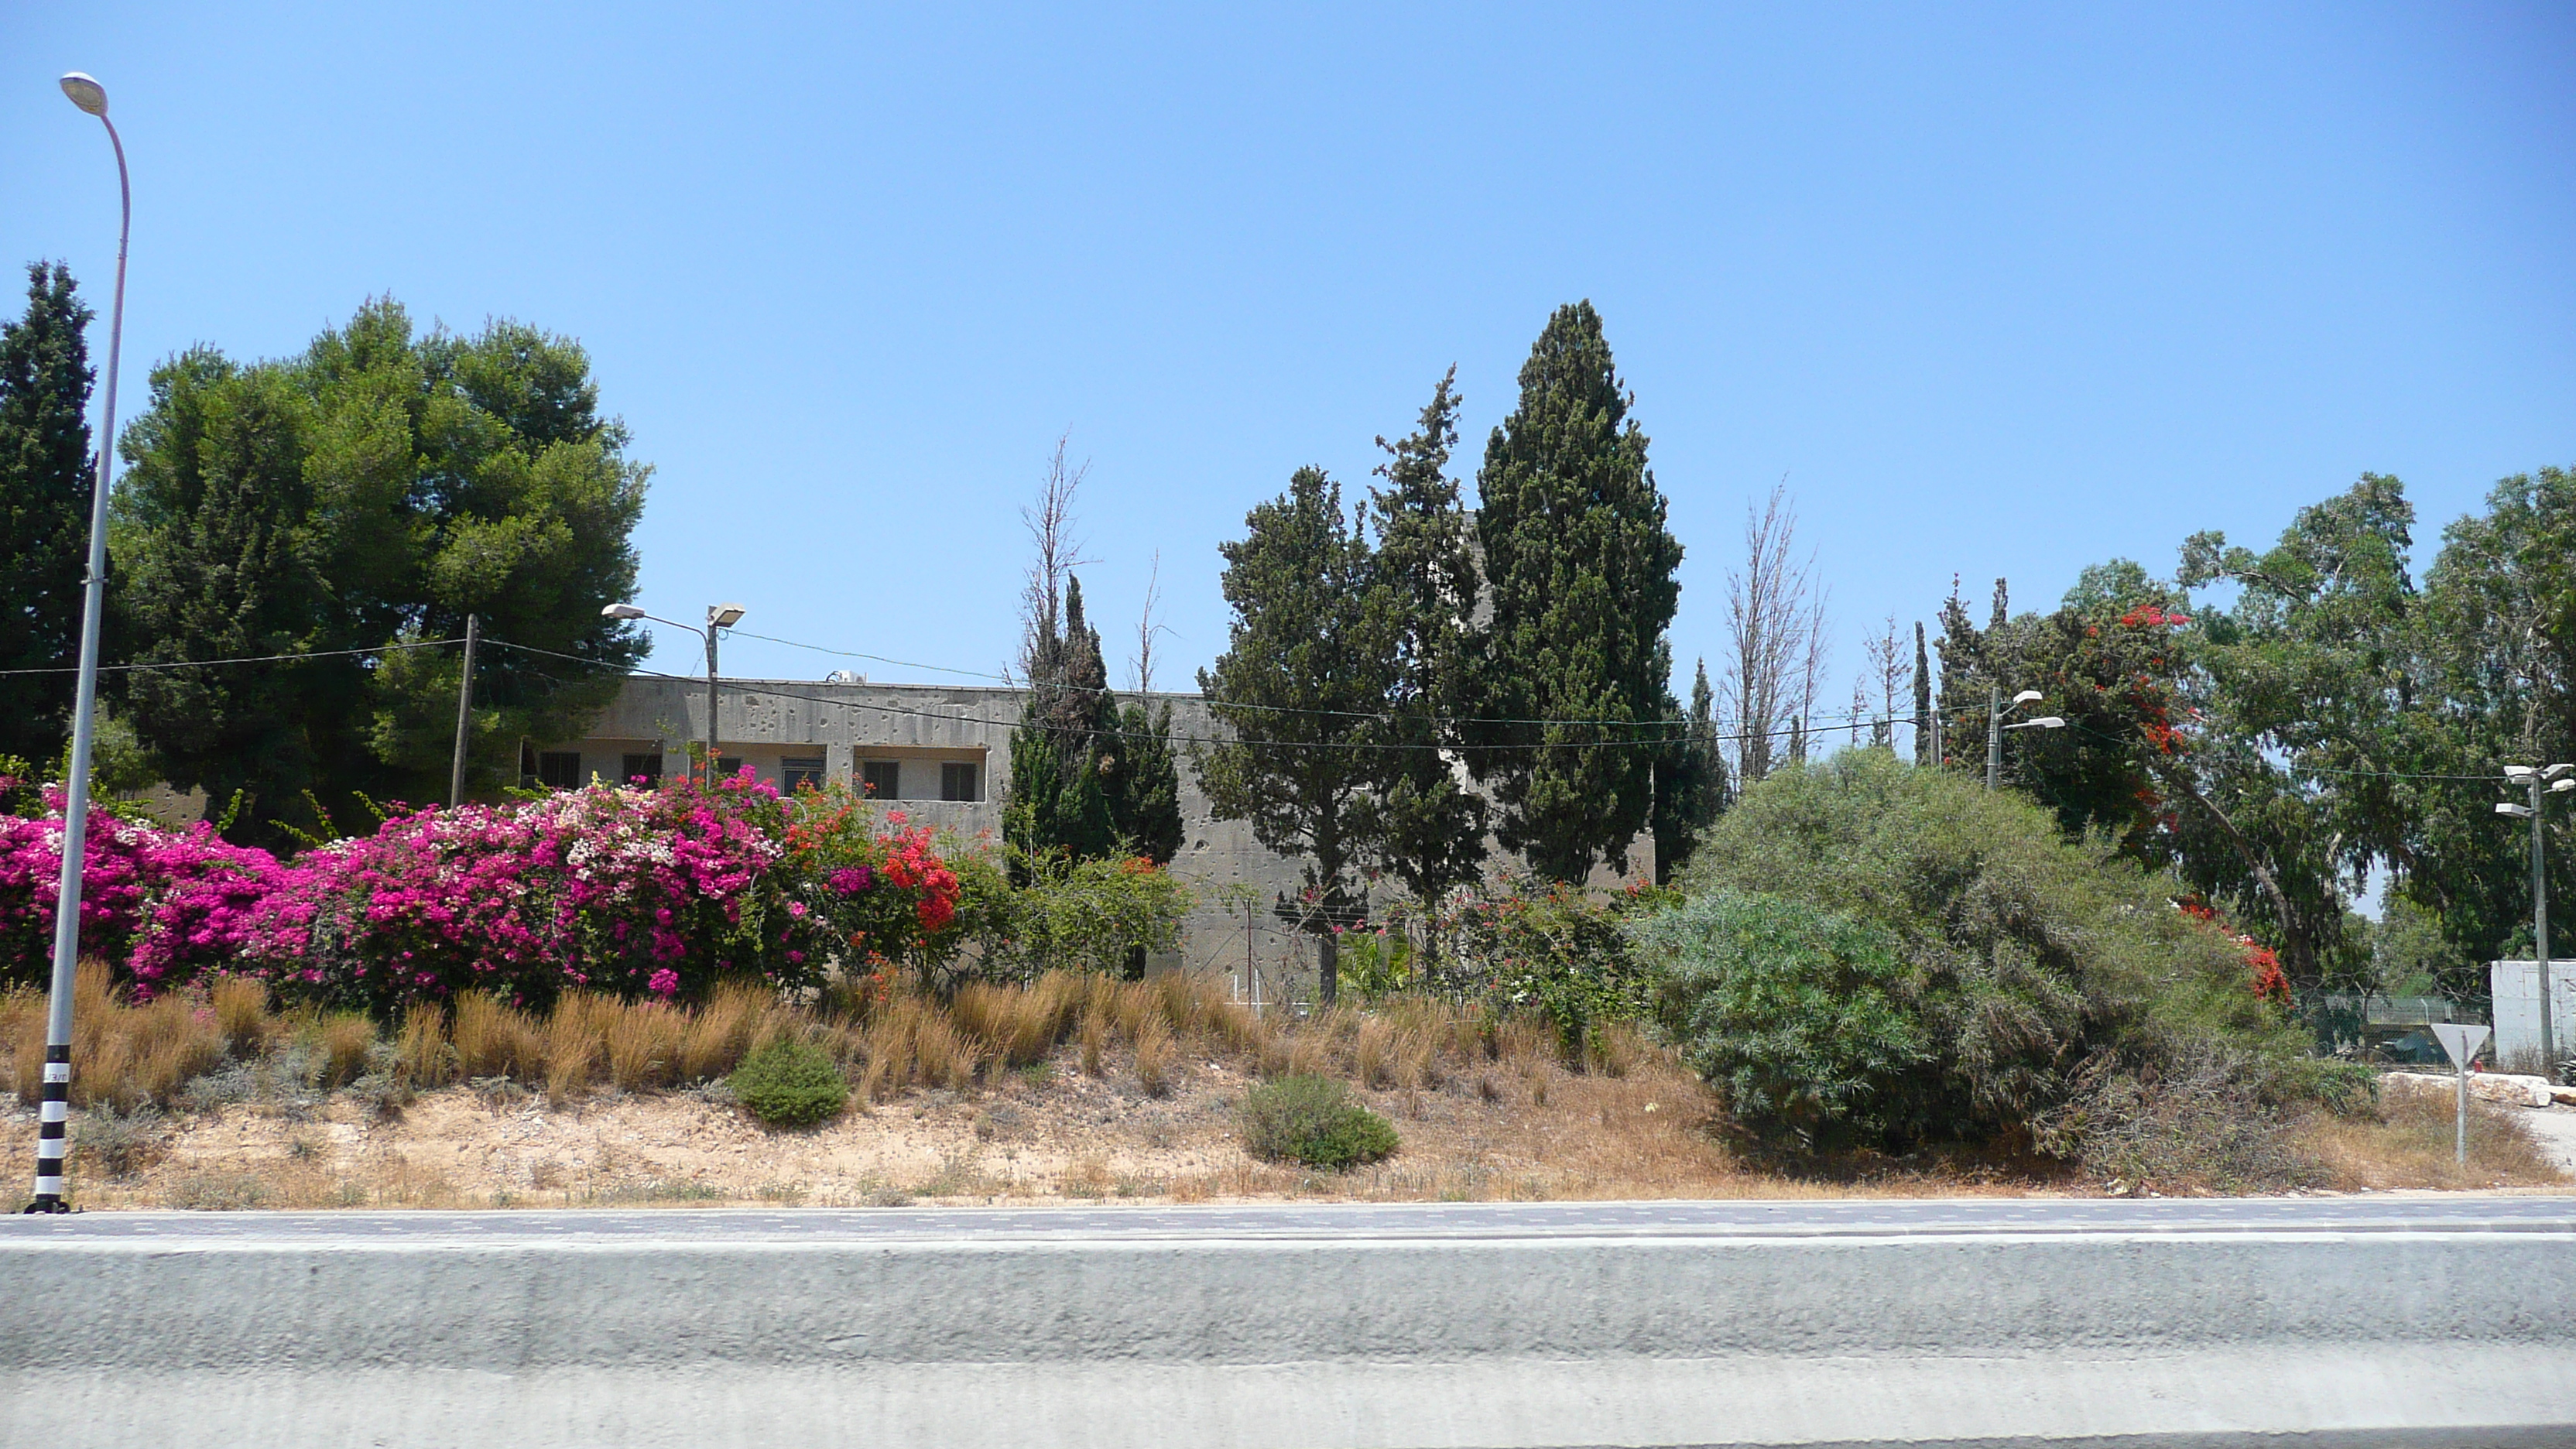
55	1110
1996	709
2555	780
719	616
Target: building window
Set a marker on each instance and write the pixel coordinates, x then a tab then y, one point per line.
958	782
559	769
798	771
647	768
881	779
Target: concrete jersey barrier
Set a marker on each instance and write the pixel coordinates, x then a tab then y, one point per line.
699	1338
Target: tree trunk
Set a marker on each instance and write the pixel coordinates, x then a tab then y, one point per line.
1328	968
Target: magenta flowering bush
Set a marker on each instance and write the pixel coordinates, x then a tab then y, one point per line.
638	892
167	904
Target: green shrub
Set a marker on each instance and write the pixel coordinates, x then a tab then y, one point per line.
1060	914
790	1084
1798	1014
1312	1120
1966	970
1520	945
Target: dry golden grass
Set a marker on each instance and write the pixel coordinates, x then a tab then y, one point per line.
2409	1143
126	1055
495	1040
1487	1107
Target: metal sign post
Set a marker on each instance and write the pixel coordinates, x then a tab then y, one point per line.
2461	1044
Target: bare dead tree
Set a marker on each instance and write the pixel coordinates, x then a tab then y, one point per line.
1142	662
1892	675
1055	554
1775	622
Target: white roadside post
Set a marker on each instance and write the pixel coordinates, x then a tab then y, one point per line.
2461	1043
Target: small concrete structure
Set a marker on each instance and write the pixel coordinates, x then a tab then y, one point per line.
942	754
2516	987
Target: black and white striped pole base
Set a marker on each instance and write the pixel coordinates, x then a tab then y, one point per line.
52	1116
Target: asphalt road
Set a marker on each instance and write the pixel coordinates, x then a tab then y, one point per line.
1731	1219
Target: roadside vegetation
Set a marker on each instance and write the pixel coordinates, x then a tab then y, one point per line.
1871	978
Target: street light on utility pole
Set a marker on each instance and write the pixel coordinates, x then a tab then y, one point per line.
2553	780
719	616
1996	709
54	1111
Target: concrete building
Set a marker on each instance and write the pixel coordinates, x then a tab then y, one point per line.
943	753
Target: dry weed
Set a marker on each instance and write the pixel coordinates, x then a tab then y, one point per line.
494	1040
1373	1054
422	1055
644	1041
343	1039
1156	1052
241	1014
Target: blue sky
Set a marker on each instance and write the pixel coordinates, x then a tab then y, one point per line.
1999	291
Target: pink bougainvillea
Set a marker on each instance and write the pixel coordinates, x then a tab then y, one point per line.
612	888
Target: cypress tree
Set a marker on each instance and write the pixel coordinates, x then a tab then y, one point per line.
1924	754
1691	785
45	483
1431	827
1581	572
1061	803
1145	803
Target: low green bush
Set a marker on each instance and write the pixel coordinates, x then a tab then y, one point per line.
1797	1014
1882	956
1312	1120
790	1084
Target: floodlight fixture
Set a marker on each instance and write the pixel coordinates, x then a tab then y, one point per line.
2518	812
724	616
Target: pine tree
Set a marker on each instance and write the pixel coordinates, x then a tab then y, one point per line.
367	495
1431	832
1301	687
45	482
222	565
1581	571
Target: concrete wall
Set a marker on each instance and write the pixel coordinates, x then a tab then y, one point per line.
523	1331
764	720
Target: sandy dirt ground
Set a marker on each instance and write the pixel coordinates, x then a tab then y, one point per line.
1054	1135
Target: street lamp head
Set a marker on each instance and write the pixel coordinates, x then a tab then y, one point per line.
2518	774
86	93
724	616
2518	812
2562	787
621	611
2558	772
2028	696
2049	722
